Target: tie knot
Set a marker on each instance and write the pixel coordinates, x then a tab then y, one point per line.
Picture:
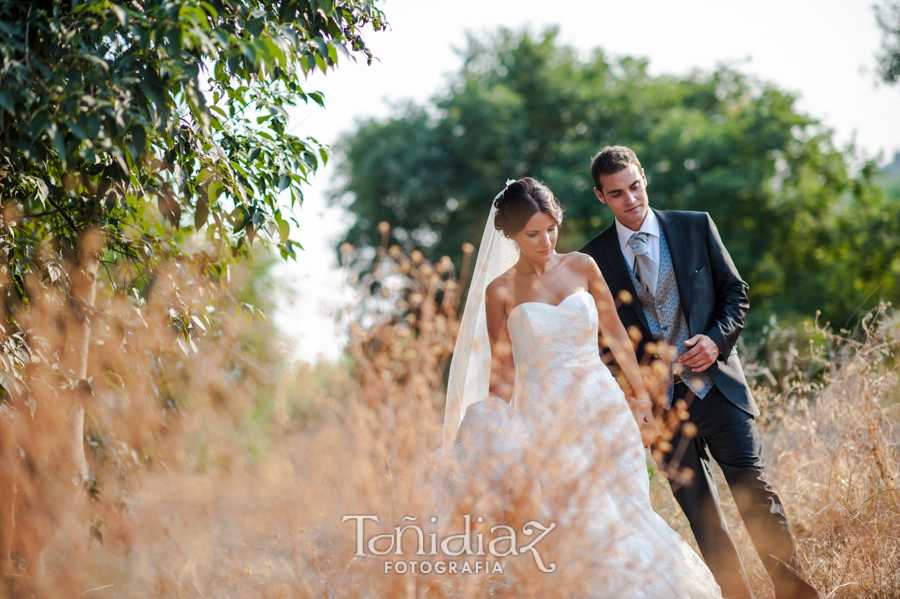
638	243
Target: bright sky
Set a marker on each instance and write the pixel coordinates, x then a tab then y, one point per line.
822	49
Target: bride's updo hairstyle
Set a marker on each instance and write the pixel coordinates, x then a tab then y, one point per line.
522	200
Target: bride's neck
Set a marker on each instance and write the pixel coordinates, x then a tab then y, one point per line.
525	267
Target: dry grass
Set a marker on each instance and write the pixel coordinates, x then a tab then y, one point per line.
242	491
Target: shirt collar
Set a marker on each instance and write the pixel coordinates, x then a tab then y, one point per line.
650	226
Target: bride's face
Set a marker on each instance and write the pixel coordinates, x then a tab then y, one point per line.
538	239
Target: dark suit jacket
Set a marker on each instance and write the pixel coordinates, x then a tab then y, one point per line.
713	296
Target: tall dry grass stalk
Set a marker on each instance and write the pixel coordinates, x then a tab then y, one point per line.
230	488
834	453
831	442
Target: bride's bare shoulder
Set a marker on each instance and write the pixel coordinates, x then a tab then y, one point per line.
501	287
578	261
582	267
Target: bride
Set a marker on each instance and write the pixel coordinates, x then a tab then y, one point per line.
528	390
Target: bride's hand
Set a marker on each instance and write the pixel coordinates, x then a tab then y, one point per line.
649	429
643	415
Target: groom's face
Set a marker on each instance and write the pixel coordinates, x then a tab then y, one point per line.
625	193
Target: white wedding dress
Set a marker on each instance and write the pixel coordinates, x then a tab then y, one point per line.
591	463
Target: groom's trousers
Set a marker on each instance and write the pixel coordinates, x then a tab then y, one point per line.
731	437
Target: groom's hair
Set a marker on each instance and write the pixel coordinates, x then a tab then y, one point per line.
610	160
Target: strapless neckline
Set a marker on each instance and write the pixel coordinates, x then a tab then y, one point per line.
564	300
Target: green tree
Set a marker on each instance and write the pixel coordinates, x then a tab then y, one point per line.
130	128
888	17
805	224
889	178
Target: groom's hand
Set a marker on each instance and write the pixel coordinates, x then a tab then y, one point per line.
702	354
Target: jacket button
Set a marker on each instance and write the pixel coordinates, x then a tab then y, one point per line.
659	307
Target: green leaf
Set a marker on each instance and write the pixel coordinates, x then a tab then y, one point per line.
58	143
210	9
110	200
169	207
6	100
42	191
140	138
178	174
79	131
95	60
198	322
255	27
322	46
342	48
121	14
114	381
214	190
296	196
201	214
123	164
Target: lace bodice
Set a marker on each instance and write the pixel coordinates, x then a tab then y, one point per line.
564	335
559	373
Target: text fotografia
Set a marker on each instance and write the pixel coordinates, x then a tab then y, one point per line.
466	543
445	567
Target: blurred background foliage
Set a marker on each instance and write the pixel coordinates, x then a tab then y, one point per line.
887	15
810	226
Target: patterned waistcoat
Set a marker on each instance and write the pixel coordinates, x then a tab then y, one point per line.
665	317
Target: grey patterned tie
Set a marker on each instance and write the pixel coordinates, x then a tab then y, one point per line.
645	268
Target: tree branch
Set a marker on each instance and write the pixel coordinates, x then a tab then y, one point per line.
109	276
64	215
40	214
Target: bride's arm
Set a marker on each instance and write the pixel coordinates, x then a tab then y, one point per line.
616	338
614	334
503	370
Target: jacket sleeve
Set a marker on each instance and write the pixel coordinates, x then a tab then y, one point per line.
731	307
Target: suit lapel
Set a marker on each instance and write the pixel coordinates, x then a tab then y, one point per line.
675	239
616	261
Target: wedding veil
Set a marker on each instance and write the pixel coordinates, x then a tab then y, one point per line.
470	367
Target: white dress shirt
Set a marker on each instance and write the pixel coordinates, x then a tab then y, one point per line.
650	226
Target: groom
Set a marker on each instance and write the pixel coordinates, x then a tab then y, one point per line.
687	293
